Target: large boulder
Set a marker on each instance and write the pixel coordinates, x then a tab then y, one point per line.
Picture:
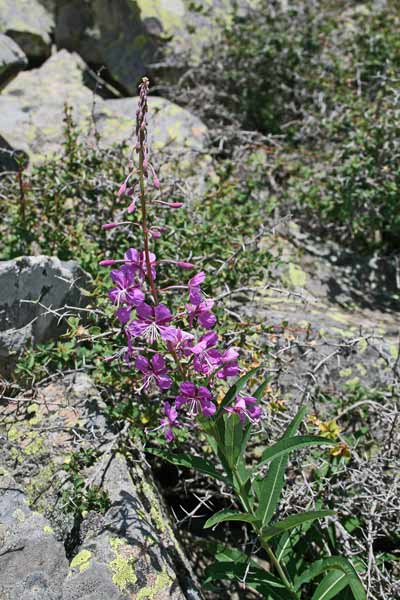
125	550
128	36
32	105
110	34
12	59
29	24
32	290
170	126
325	327
33	562
32	112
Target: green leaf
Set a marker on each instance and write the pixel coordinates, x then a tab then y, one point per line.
294	521
285	446
289	540
190	462
337	563
233	438
269	489
330	586
228	514
235	389
258	394
263	582
226	553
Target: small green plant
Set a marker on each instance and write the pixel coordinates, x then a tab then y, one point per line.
177	354
258	492
81	498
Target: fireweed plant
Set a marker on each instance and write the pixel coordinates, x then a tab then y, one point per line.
180	357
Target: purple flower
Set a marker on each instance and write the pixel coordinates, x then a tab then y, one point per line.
195	295
169	421
181	343
151	322
123	314
206	357
202	312
137	262
127	291
154	370
230	368
246	407
199	399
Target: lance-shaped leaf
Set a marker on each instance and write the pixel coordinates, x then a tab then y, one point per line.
293	521
336	563
228	514
258	394
287	445
190	462
269	489
330	586
234	434
257	579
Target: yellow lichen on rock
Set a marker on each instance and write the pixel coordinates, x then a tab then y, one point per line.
81	561
122	565
162	583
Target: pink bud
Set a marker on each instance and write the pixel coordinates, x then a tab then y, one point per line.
132	207
145	164
184	265
107	263
113	225
122	189
155	233
156	182
110	225
170	204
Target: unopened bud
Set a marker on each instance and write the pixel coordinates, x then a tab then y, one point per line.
107	263
110	225
122	189
156	182
170	204
184	265
132	207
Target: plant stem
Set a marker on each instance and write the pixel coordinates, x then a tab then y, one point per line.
144	220
22	200
247	506
276	563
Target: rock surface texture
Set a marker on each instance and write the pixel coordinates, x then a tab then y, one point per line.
12	59
32	289
32	112
319	338
128	551
29	24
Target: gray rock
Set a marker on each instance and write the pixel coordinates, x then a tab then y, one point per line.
32	110
120	35
129	36
130	551
30	288
11	158
32	105
170	126
32	562
327	329
29	24
12	59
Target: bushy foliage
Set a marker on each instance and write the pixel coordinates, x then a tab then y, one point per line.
323	78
